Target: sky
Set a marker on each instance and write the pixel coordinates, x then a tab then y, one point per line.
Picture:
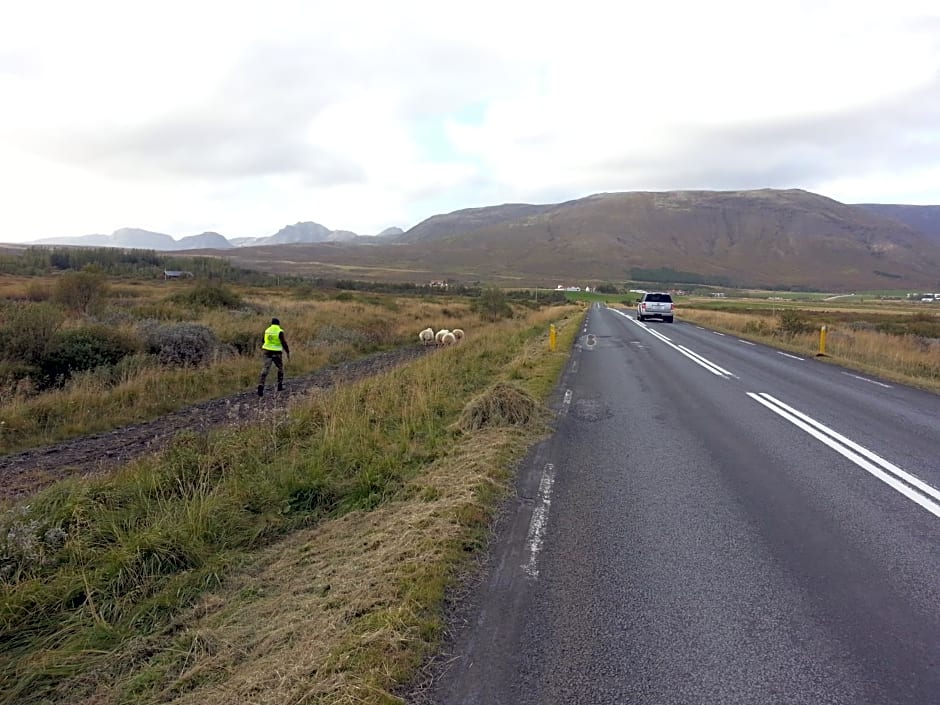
242	117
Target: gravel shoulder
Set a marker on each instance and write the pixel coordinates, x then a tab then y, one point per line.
26	472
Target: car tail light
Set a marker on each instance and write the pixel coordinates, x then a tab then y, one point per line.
643	306
671	306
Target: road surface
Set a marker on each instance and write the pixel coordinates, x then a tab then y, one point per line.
713	522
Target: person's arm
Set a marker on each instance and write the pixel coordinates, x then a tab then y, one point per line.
284	343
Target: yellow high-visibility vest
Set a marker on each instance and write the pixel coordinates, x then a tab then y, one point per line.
272	339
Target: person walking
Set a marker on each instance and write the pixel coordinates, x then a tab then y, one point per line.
275	343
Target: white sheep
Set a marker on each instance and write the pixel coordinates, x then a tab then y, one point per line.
448	338
458	334
426	336
439	335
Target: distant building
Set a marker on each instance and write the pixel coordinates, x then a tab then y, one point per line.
175	274
438	283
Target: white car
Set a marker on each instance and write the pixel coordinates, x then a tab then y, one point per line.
655	304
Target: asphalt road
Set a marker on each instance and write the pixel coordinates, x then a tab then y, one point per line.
713	522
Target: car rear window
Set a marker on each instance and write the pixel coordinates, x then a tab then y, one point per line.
661	298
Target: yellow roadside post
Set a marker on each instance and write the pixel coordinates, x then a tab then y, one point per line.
551	337
822	342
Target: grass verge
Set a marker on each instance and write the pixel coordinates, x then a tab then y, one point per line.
303	560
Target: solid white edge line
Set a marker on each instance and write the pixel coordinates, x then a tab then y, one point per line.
746	342
908	492
539	521
794	357
874	457
870	381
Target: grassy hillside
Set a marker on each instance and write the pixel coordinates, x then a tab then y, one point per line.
765	238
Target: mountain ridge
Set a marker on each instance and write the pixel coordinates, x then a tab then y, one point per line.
760	237
763	237
138	238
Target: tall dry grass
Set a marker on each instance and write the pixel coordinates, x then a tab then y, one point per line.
907	359
320	332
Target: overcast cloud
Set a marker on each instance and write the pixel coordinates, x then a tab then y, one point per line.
241	117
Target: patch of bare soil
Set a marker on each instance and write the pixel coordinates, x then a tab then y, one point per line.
24	473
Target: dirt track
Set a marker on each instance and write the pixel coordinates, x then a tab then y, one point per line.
23	473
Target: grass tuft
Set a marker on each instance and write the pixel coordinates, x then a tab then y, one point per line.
503	404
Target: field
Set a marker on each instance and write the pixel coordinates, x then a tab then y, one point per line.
301	557
897	340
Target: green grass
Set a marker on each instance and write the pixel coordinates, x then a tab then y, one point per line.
92	568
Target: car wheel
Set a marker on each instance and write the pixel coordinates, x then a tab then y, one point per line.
668	319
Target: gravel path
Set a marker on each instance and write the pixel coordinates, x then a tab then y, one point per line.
26	472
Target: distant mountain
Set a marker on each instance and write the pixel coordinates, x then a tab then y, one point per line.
391	232
135	238
203	241
124	237
142	239
926	219
471	219
96	240
767	237
299	232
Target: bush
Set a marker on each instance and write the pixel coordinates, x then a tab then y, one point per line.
27	331
84	349
243	342
329	336
184	344
492	304
210	294
38	291
81	292
793	322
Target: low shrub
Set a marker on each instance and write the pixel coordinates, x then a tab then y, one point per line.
81	292
84	349
183	344
210	294
330	335
793	322
492	304
243	342
37	291
27	331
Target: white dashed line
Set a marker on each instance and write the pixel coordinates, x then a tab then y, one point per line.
794	357
566	403
717	333
870	381
746	342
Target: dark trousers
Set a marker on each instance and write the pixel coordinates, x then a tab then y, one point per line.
272	357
